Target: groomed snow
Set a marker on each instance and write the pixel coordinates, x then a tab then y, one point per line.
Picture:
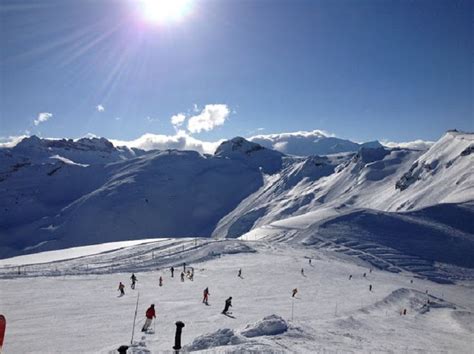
59	313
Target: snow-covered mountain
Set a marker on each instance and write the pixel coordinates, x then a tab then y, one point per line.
309	143
62	193
382	179
378	244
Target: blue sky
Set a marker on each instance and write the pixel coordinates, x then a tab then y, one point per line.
364	70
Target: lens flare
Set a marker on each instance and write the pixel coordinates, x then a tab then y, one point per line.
163	11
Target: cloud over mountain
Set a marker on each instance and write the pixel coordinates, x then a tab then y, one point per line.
180	141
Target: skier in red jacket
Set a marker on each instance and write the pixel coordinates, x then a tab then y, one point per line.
150	315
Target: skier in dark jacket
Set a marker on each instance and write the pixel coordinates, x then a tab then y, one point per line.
134	280
228	303
150	315
206	296
121	287
172	272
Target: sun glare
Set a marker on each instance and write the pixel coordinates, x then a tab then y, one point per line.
162	11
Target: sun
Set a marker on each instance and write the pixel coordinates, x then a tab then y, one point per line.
163	11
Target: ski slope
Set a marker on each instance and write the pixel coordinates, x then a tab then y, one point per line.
72	304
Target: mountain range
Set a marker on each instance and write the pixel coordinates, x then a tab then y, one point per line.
62	193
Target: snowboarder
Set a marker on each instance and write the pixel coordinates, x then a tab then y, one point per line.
350	277
228	303
240	273
182	276
121	288
172	272
206	296
370	287
294	292
134	280
161	281
150	315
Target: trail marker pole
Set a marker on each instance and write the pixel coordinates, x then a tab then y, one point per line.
135	318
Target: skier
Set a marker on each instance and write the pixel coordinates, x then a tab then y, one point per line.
172	271
184	266
310	261
206	296
294	292
150	315
302	271
350	277
182	276
121	288
240	273
365	275
370	287
228	303
370	270
134	280
191	276
404	311
161	281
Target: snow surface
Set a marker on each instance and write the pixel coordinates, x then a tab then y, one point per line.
73	305
305	143
57	194
395	180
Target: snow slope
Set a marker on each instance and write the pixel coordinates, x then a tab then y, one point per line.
148	195
64	193
381	179
73	305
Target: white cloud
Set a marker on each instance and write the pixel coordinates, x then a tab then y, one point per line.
210	117
11	141
181	141
100	108
178	119
151	120
314	134
42	117
415	145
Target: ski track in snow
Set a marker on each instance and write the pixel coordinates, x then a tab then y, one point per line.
73	305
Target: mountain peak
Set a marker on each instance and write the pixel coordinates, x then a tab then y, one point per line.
239	145
253	154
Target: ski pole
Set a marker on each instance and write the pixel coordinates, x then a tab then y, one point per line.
292	306
134	319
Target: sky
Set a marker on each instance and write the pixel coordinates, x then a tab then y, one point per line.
214	69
